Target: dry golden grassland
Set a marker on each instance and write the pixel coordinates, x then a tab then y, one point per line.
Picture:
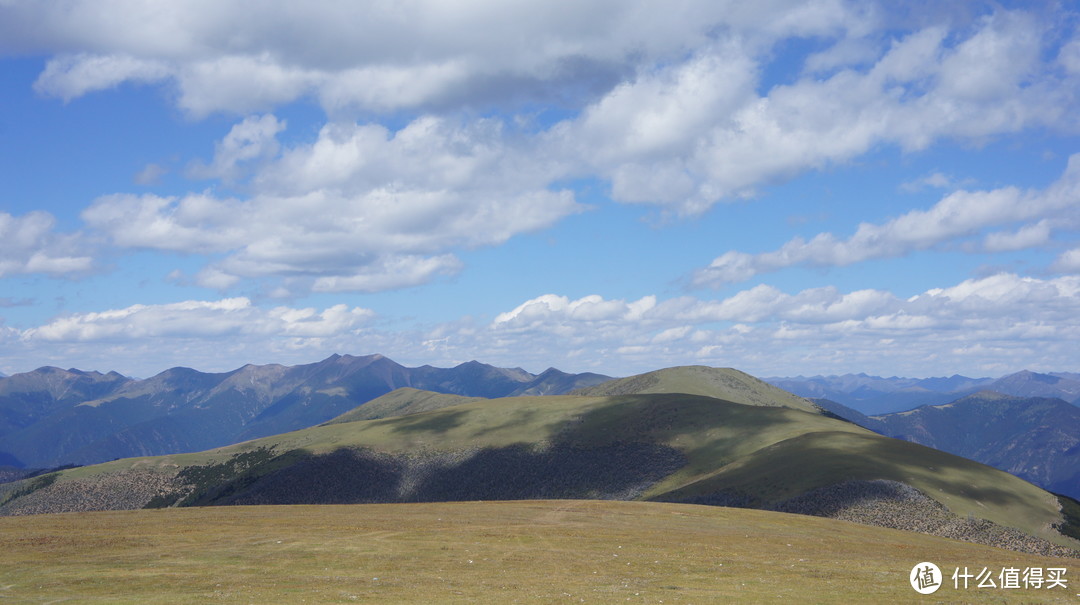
484	552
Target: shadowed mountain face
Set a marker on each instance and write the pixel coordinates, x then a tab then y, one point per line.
51	417
513	472
28	398
1035	438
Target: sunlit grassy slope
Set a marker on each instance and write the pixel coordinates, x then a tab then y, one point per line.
485	552
402	402
723	383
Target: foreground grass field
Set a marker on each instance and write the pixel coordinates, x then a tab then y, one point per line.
485	552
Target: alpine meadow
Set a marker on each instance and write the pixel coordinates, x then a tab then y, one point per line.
602	301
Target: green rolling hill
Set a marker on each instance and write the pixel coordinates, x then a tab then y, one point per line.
723	383
768	450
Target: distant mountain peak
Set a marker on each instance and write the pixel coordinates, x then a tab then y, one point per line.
182	409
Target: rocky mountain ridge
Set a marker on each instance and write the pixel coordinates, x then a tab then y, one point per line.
51	417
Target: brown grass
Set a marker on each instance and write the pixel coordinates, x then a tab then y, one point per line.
482	552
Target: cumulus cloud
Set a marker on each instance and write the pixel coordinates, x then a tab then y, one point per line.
358	209
667	103
538	311
978	327
210	335
1028	236
390	273
30	244
195	223
72	76
959	215
1068	261
768	331
691	133
251	140
196	319
221	56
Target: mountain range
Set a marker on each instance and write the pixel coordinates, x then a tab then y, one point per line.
876	395
51	417
690	435
311	432
1036	438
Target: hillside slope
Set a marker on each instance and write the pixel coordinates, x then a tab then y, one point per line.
672	447
722	383
1032	437
402	402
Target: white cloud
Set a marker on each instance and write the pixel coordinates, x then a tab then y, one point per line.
1028	236
692	133
194	319
994	62
210	335
769	332
593	308
1010	289
666	103
358	209
196	223
672	335
71	76
669	104
391	273
238	83
974	327
1068	261
251	140
958	215
30	244
222	56
209	277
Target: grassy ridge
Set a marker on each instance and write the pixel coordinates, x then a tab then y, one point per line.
482	552
543	447
724	383
794	466
402	402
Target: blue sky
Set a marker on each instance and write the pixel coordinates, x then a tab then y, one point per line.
782	187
